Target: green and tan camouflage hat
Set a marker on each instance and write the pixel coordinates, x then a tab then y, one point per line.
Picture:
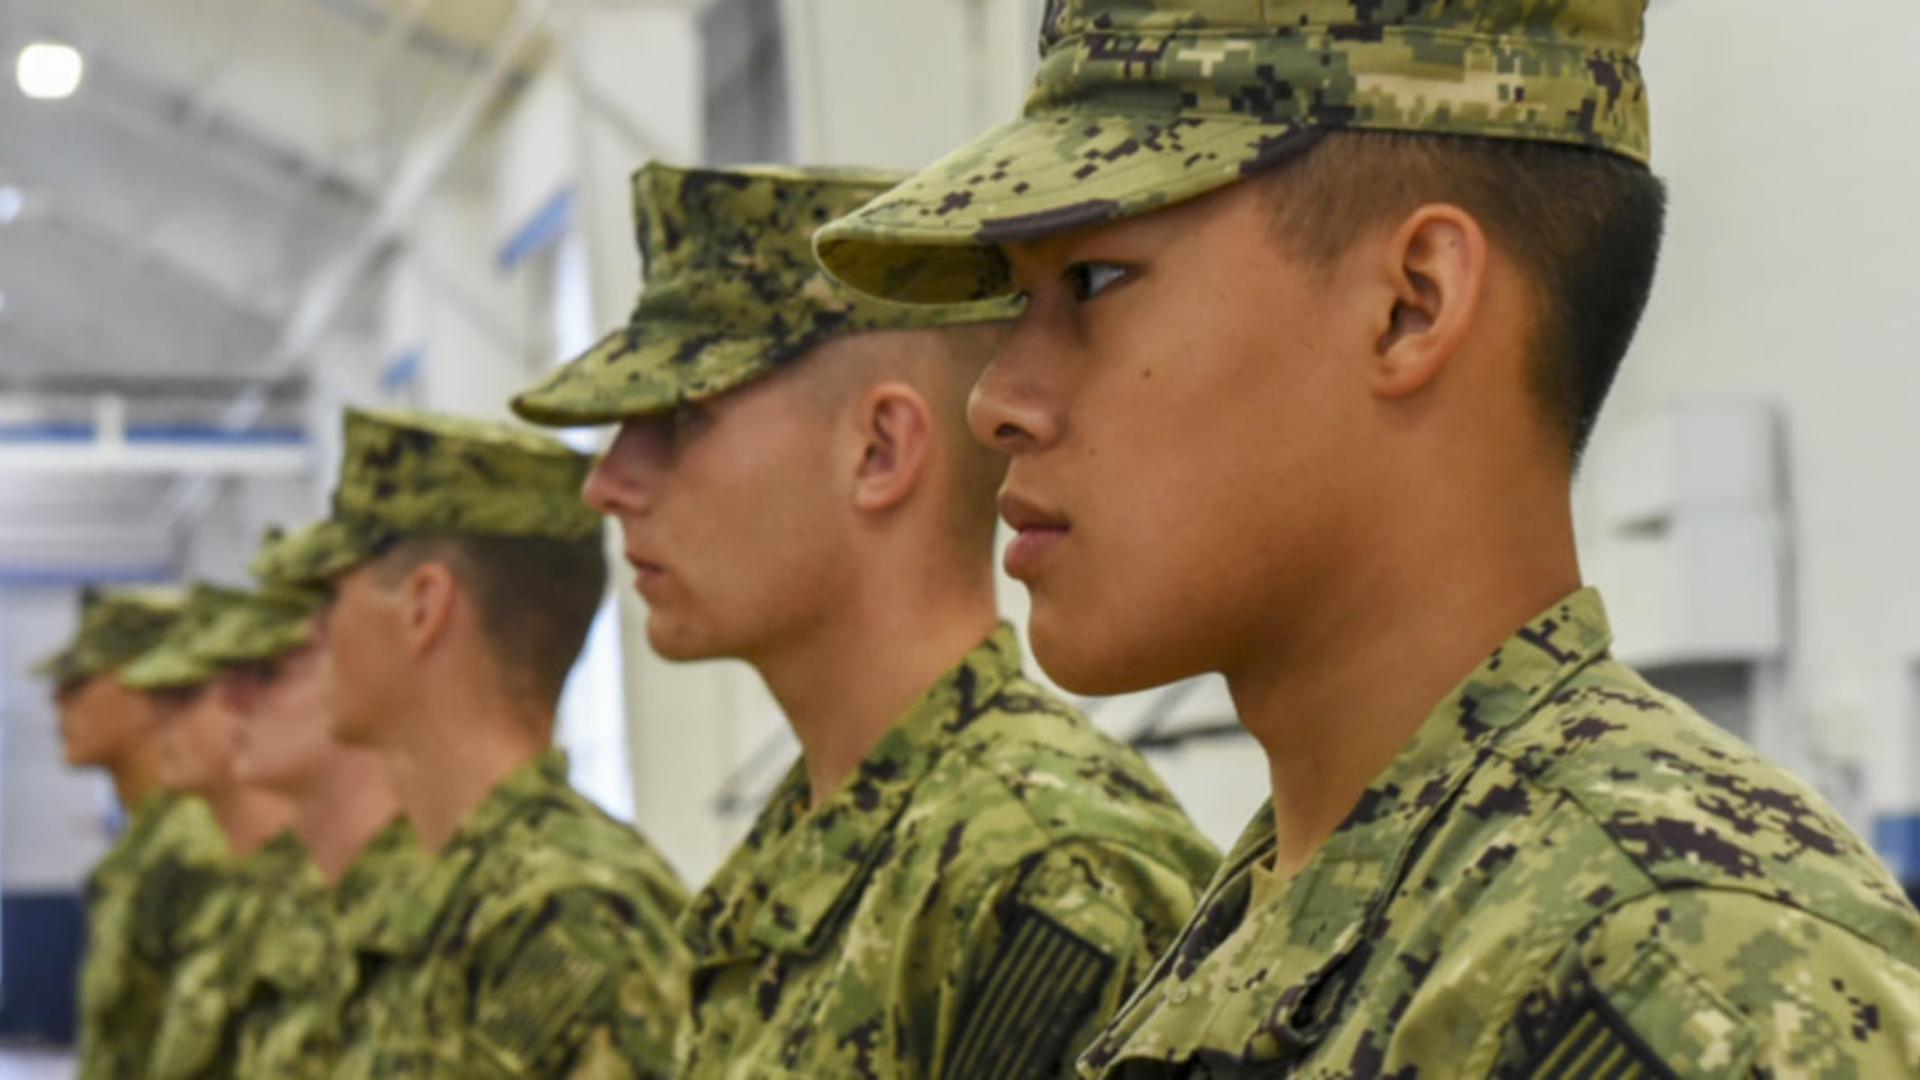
1140	104
115	628
267	624
176	662
731	292
274	620
420	474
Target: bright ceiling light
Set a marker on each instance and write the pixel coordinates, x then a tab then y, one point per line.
48	71
12	202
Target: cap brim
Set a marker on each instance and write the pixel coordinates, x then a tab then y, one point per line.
167	669
646	369
253	634
935	238
319	553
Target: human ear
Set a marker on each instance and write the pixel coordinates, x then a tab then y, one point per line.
427	598
895	425
1434	268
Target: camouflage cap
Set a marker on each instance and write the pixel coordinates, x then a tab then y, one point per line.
731	292
421	474
115	628
267	624
176	662
275	620
1140	104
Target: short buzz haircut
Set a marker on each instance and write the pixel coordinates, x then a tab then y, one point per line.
1583	225
536	598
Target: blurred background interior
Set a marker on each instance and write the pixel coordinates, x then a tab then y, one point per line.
220	220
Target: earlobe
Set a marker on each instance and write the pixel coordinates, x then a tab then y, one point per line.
1437	264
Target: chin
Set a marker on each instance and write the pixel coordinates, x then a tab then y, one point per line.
1099	663
681	643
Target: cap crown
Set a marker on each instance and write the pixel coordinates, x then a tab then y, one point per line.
731	291
115	628
413	472
176	662
1552	70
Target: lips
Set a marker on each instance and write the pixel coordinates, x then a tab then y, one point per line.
645	571
1040	532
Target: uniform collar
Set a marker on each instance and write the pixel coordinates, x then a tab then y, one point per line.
400	921
1334	903
798	866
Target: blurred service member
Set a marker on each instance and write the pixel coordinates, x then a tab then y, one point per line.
465	572
106	724
291	984
199	733
960	876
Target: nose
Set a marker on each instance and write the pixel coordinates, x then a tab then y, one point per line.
621	483
1014	405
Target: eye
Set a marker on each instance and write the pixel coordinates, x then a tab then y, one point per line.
686	420
1089	279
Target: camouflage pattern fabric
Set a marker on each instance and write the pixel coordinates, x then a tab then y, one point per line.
1564	874
264	625
199	1025
303	973
732	292
115	627
537	943
138	899
974	902
1140	104
410	473
177	661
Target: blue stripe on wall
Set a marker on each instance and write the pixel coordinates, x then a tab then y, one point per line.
1897	838
547	225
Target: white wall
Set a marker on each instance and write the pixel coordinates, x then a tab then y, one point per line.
53	819
1788	139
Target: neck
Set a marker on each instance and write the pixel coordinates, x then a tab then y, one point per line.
848	680
136	776
342	809
249	817
1334	706
453	750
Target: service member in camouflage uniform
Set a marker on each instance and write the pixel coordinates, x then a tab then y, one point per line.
1323	297
105	724
465	572
201	731
960	877
288	986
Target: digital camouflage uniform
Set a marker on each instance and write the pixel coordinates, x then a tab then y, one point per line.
138	898
975	901
305	971
1564	873
996	874
150	879
198	1030
539	942
212	986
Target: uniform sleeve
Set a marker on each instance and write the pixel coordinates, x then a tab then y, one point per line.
575	987
1716	983
1061	941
